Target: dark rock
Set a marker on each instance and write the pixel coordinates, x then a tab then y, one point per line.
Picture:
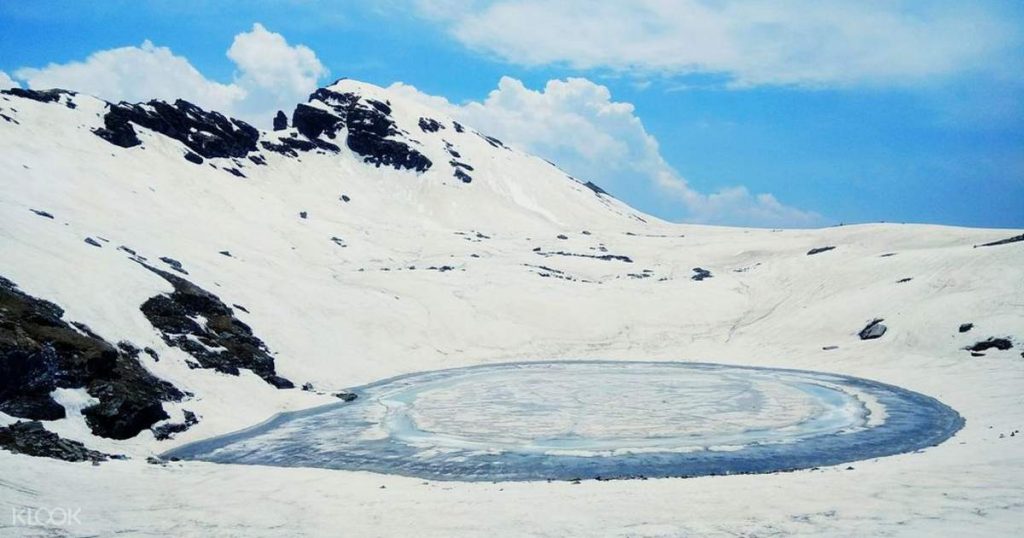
209	134
235	172
225	253
44	96
41	213
493	141
371	130
280	121
303	214
338	241
964	327
462	176
593	187
1007	241
829	348
345	198
819	250
152	353
174	264
32	439
311	122
258	160
308	387
603	257
224	343
166	431
903	280
700	274
1002	344
458	127
346	396
873	330
240	307
93	242
193	158
429	125
562	236
40	352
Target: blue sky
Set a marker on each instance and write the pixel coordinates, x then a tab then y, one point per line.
782	113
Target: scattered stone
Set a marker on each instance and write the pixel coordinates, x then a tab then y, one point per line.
346	396
1008	240
223	343
562	237
93	242
700	274
235	172
308	387
345	198
240	307
462	176
964	327
32	439
887	254
225	253
42	213
1002	344
903	280
429	125
174	264
193	158
303	214
258	159
819	250
604	257
338	241
873	330
166	431
829	348
152	353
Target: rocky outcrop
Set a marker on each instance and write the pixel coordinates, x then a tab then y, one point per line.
32	439
44	96
197	322
1007	241
40	352
207	134
819	250
280	121
371	131
700	274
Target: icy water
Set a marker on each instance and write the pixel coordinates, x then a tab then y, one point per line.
594	419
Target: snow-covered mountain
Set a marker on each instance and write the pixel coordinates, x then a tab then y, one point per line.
170	274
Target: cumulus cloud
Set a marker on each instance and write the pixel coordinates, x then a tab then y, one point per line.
577	124
749	42
271	74
6	81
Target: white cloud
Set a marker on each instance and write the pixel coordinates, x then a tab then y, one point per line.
750	42
576	124
6	81
271	74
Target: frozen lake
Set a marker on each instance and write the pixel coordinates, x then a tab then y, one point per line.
591	419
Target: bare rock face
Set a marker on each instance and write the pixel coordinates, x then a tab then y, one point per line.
207	134
371	131
40	352
32	439
873	330
222	342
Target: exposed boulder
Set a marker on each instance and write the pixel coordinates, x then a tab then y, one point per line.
873	330
197	322
964	327
429	125
40	352
700	274
166	431
1002	344
32	439
280	121
819	250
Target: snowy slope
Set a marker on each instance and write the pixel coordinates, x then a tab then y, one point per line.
420	270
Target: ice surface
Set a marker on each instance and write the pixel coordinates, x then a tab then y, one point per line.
588	419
